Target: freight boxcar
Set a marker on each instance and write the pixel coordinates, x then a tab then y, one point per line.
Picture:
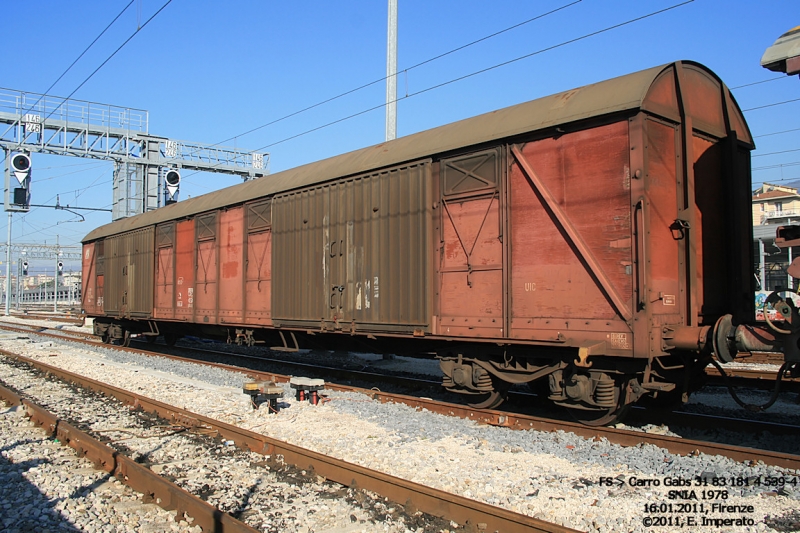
594	243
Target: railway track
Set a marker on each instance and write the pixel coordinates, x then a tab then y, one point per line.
623	437
76	318
168	495
327	422
413	497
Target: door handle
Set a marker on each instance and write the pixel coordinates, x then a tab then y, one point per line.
334	290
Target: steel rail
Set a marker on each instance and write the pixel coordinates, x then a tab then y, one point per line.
621	437
155	489
476	516
73	319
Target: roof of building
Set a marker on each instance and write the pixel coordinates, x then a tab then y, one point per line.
772	195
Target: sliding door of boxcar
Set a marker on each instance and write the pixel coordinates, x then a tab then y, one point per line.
130	273
231	265
471	246
205	291
664	252
355	253
164	305
258	283
571	250
184	269
89	279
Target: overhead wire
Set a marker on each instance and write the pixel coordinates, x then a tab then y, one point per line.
460	78
771	105
120	47
759	82
39	180
89	77
139	28
482	71
384	78
45	93
775	153
412	67
781	165
775	133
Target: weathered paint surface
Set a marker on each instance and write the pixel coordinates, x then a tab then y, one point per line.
354	254
231	260
92	299
184	269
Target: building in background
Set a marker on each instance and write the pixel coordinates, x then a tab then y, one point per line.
774	206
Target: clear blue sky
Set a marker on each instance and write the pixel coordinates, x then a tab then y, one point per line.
209	70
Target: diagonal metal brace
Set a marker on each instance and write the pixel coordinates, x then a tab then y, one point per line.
562	221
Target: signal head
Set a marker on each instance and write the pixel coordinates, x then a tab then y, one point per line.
21	166
172	182
172	178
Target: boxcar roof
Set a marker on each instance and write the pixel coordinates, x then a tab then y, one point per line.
629	92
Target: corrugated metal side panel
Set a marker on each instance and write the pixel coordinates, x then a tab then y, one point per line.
114	278
142	255
355	251
231	265
184	269
164	297
129	273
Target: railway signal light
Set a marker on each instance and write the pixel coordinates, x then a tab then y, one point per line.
172	181
24	268
60	268
21	167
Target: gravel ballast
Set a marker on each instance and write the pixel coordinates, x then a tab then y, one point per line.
559	477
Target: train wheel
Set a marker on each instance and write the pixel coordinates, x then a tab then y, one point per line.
604	417
151	339
490	400
106	338
126	339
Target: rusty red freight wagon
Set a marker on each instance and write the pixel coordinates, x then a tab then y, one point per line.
595	243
